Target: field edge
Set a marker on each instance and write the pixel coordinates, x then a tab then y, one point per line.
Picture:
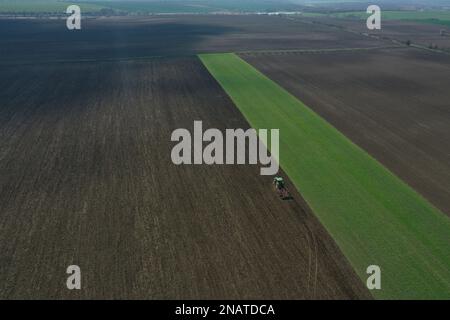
255	121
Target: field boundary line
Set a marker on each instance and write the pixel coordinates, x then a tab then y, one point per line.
374	216
316	51
368	35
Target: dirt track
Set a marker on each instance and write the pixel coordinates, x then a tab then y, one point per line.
87	179
393	103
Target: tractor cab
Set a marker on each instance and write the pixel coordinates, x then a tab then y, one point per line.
278	182
281	188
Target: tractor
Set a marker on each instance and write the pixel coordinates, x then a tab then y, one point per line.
280	186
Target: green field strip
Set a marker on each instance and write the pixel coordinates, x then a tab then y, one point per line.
139	6
44	6
374	217
440	17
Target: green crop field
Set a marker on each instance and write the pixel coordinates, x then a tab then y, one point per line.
43	6
374	217
157	6
198	6
154	6
436	17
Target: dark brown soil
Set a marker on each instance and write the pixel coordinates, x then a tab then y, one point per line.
31	41
393	103
419	33
86	179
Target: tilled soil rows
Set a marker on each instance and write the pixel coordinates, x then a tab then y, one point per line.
87	179
43	40
393	103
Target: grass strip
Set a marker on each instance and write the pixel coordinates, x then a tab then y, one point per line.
374	217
